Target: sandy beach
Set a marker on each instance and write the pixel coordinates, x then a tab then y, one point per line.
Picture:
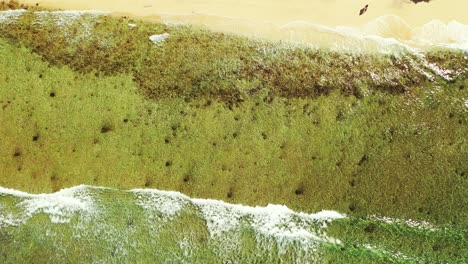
332	13
274	19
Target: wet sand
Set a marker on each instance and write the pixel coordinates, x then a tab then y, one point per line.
325	12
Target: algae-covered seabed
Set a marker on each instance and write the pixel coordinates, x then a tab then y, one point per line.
86	99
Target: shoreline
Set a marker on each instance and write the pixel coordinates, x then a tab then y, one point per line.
131	108
240	115
338	13
386	24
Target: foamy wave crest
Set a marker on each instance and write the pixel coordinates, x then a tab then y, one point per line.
167	204
273	220
66	18
113	219
389	26
60	206
273	226
434	33
153	223
344	38
387	34
384	34
7	17
438	33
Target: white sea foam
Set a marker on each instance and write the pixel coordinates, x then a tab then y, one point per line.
276	221
59	206
159	38
220	217
224	222
7	218
438	33
67	17
167	203
271	221
7	191
73	13
387	33
396	255
9	16
272	226
346	38
409	222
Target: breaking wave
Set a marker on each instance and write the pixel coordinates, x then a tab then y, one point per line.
111	217
168	225
386	34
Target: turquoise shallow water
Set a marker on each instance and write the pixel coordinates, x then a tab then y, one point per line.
103	225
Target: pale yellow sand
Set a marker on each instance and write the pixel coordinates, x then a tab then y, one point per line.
297	20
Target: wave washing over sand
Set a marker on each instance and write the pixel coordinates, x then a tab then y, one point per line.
388	25
94	216
140	222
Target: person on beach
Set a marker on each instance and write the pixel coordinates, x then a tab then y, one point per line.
363	10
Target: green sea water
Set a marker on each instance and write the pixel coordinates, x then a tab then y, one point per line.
370	146
96	225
